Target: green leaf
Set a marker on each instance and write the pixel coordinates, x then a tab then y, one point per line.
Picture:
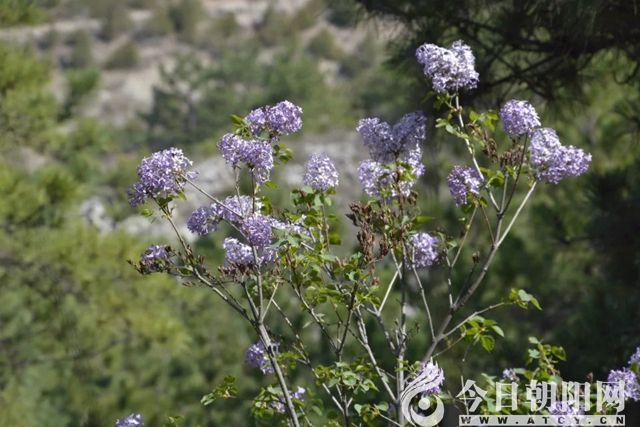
226	390
237	120
450	129
498	330
487	342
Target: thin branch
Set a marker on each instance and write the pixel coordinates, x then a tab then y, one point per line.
471	152
515	216
424	301
365	343
471	316
386	295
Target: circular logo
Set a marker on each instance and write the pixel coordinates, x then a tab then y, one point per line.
427	416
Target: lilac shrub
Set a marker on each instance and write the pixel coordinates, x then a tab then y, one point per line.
284	266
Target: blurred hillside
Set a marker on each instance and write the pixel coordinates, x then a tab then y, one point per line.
163	73
129	42
89	87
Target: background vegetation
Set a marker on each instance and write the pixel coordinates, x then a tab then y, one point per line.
84	339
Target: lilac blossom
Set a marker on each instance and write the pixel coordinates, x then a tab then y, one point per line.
370	174
236	252
450	69
231	147
387	143
256	154
399	143
279	405
377	179
153	258
283	118
297	227
320	172
629	380
257	229
257	120
233	209
510	375
203	221
422	250
161	175
553	161
256	357
567	411
434	376
519	118
154	252
463	180
133	420
635	357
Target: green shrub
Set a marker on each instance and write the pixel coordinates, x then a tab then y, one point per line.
19	12
115	19
185	16
323	45
160	23
274	28
308	15
125	56
80	84
82	53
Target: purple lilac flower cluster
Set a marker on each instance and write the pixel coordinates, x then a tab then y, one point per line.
154	252
320	172
283	118
450	69
630	381
153	258
205	219
519	118
257	230
133	420
279	405
386	143
423	250
510	375
255	153
238	253
399	143
569	410
161	175
256	357
433	376
463	180
553	161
